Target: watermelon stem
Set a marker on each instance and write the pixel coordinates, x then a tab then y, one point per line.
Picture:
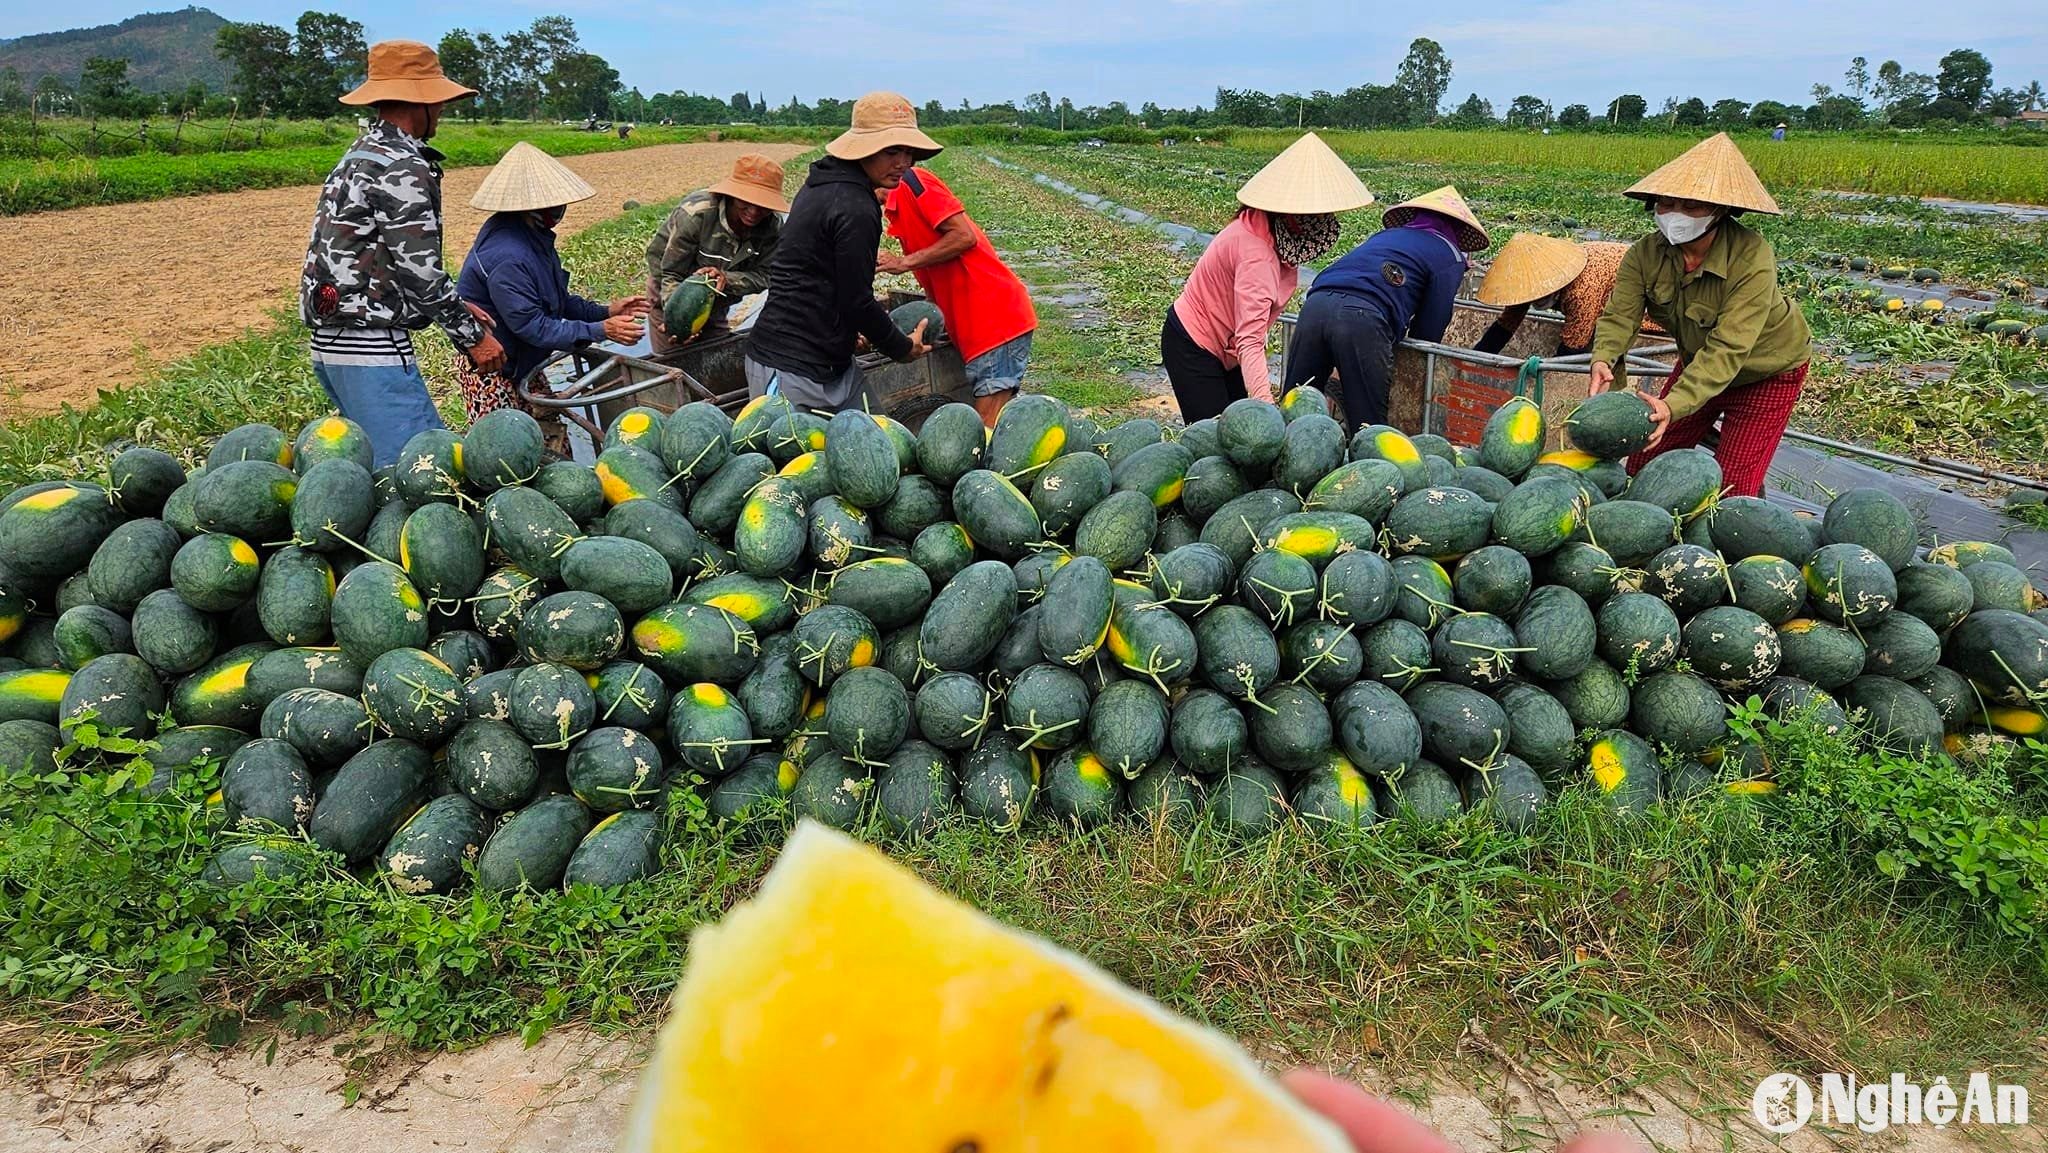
631	692
1285	613
720	745
1038	732
358	546
1321	658
1152	668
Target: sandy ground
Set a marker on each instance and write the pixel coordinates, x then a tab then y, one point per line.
90	295
570	1093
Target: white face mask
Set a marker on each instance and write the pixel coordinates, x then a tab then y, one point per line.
1681	228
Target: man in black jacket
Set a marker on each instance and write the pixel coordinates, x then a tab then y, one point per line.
821	281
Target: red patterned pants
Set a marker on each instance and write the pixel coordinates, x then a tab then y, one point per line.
1752	421
484	392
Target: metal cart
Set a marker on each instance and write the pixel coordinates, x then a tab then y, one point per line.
591	387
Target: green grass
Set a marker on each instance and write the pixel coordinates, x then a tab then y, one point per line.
1624	947
40	185
1891	167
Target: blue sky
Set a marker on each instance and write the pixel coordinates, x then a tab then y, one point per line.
1177	51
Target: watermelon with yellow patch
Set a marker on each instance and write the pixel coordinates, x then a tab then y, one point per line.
688	309
1030	433
2021	722
1513	438
32	694
969	1035
327	438
1624	768
627	472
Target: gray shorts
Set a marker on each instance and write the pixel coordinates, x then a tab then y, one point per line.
1000	369
849	391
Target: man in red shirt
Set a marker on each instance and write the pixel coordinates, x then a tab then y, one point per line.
987	309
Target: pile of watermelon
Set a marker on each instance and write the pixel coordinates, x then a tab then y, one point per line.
481	666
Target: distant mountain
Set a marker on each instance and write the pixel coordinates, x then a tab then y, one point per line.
166	51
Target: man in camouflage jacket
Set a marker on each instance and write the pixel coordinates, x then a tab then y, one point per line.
724	233
373	271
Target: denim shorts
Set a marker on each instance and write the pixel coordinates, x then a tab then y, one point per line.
1000	369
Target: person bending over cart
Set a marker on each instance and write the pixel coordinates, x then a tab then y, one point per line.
986	308
1535	271
723	235
514	274
1712	283
1214	341
1403	281
821	281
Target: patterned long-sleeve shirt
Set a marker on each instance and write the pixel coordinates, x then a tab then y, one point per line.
374	258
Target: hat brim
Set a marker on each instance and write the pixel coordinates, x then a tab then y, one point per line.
527	203
1471	237
859	143
1523	275
753	194
426	90
1649	200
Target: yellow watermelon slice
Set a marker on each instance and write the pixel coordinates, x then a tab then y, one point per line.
947	1031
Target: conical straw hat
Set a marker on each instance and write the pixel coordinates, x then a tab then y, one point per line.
1306	180
1529	267
526	179
1444	201
1713	172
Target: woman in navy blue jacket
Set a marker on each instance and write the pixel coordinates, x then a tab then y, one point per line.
1403	281
515	275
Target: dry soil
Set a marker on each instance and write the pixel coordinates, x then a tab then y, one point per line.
90	296
570	1094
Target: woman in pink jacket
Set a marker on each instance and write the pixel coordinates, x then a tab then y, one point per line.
1214	340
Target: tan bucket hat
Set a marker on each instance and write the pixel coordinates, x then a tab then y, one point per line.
406	70
1444	201
1308	179
1529	267
526	178
1712	172
756	179
882	120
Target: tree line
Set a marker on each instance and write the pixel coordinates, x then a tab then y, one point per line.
544	72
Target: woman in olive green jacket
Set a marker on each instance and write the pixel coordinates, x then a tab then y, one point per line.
1712	283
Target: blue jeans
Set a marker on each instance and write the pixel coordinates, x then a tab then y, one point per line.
390	401
1000	369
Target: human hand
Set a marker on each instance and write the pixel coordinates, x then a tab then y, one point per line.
622	329
1602	378
629	306
482	317
891	263
1660	418
918	347
1373	1125
716	277
487	354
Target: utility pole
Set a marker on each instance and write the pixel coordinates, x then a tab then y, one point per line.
1300	111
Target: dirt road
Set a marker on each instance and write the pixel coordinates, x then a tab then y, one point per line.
89	296
572	1091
